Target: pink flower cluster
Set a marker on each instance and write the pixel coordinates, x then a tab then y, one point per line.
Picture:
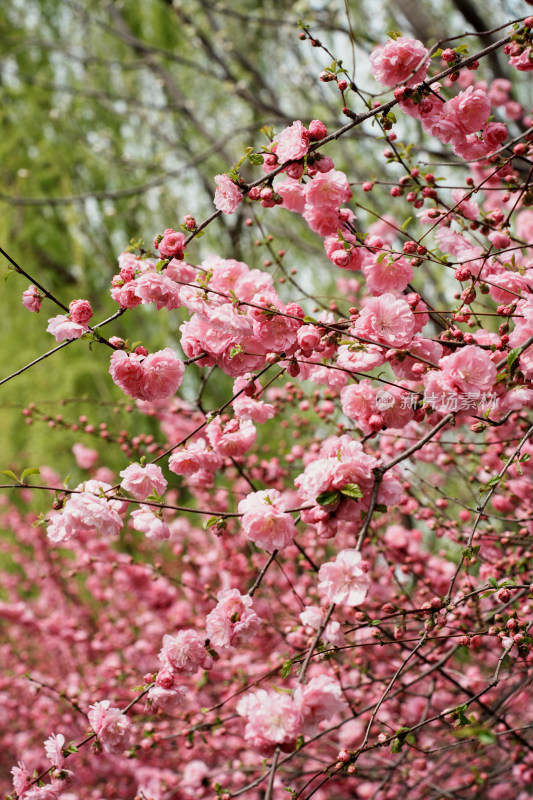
341	462
459	121
154	377
181	655
274	719
400	61
86	513
265	521
234	621
141	481
227	194
112	727
345	579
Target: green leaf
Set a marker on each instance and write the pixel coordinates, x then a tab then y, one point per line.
461	48
10	474
211	522
485	736
404	225
255	158
493	582
328	498
352	490
381	507
286	668
512	356
27	472
310	320
381	257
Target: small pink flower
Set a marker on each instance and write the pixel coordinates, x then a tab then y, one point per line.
153	287
265	522
21	778
344	579
319	700
233	621
163	374
394	61
232	440
112	727
185	652
64	329
388	319
31	299
293	143
272	719
85	457
469	109
80	311
167	697
127	372
153	527
143	481
171	244
53	748
227	194
523	62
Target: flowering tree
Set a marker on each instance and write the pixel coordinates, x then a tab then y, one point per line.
349	615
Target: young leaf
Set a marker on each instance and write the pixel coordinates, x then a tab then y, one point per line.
328	498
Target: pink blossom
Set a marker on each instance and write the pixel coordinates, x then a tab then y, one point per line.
21	778
246	406
293	193
227	194
154	527
64	329
523	62
125	295
387	319
313	616
293	143
344	580
127	372
470	369
320	699
142	481
193	458
32	299
153	287
272	719
80	311
171	244
185	652
85	514
167	694
495	134
163	374
180	271
85	457
524	225
265	522
328	190
390	274
394	61
469	109
363	357
112	727
232	440
46	792
233	622
53	748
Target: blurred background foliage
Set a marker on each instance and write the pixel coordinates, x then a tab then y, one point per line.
116	115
